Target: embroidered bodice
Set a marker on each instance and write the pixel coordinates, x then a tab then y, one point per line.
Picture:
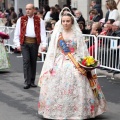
71	44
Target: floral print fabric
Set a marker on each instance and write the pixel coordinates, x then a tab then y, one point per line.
66	94
4	63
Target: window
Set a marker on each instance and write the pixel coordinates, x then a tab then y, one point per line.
43	2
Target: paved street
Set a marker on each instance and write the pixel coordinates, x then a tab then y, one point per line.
19	104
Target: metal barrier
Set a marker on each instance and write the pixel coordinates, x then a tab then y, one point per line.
108	52
2	29
9	43
10	31
91	42
48	38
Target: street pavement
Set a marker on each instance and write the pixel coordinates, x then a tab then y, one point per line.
19	104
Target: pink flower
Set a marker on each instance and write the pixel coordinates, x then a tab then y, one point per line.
98	86
38	104
52	72
72	49
92	108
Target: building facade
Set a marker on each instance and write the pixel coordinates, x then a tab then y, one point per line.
82	5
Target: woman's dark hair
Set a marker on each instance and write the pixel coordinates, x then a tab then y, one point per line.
99	30
20	10
47	8
93	11
12	9
48	26
40	11
53	9
111	21
81	23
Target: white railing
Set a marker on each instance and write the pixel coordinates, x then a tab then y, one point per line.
10	31
108	52
91	40
9	43
43	54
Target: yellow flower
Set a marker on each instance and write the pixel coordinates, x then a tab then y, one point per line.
90	60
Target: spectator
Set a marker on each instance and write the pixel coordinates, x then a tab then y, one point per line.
82	27
57	7
109	25
102	22
115	53
35	10
97	6
116	29
114	14
48	26
46	8
89	26
79	17
53	24
94	16
40	13
104	30
13	15
96	30
20	13
54	15
73	10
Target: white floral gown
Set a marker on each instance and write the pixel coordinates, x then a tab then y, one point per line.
4	62
66	94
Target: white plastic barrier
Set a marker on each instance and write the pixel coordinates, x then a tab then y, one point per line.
91	42
9	42
2	29
48	38
108	52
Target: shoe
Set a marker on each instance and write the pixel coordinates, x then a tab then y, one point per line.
27	87
33	85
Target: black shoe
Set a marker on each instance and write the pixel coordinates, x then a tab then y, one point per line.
27	87
33	85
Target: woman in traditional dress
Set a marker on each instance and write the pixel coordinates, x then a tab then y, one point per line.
4	61
65	93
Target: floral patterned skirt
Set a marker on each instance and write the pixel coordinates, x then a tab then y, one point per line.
66	94
4	61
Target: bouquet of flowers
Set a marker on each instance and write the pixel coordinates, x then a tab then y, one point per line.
88	63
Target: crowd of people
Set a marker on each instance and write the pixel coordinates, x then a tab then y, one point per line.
9	17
